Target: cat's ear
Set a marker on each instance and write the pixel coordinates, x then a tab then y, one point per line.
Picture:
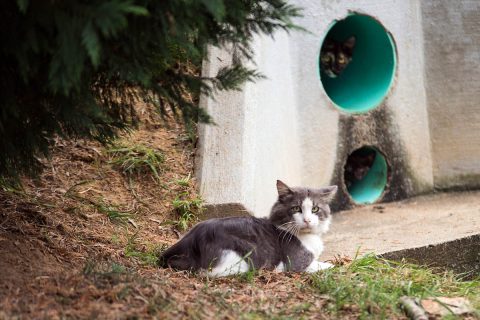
282	189
329	44
328	193
349	44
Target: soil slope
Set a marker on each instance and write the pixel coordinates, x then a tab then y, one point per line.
81	241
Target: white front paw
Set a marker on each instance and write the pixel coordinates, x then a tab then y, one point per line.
317	266
325	265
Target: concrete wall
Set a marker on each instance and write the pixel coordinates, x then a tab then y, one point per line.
255	140
452	68
394	127
285	127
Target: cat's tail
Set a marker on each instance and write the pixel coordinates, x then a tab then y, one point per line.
198	249
176	257
164	257
184	254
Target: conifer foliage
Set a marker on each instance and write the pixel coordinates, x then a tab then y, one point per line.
74	68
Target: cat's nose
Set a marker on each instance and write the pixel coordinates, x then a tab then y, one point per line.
307	221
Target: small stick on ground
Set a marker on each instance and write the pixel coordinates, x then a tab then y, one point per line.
177	233
413	310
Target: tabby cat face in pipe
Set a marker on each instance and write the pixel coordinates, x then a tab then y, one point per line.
336	55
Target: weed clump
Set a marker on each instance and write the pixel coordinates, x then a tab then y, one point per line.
105	273
137	160
186	205
187	208
113	213
145	254
372	286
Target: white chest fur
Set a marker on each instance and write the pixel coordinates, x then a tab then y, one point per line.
313	243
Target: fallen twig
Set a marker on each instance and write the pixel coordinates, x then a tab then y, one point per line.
412	308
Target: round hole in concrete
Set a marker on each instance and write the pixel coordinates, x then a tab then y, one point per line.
365	174
366	79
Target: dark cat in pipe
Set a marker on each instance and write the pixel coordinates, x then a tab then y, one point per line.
336	56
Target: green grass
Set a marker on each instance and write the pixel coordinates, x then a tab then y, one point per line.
11	185
188	208
115	239
113	213
191	132
104	273
146	256
137	159
374	286
184	182
252	272
368	288
187	204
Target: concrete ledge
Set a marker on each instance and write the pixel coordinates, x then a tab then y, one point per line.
439	230
462	256
224	210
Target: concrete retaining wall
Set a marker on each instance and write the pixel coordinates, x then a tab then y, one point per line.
285	127
452	69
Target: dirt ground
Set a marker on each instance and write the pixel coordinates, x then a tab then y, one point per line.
62	257
81	241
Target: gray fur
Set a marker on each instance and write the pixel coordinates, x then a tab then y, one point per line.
264	243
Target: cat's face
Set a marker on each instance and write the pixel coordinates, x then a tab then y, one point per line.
336	56
358	164
302	210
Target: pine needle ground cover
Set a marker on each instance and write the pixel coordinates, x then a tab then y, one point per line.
82	242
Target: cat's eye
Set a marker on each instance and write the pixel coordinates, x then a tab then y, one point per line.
341	59
325	58
315	209
296	209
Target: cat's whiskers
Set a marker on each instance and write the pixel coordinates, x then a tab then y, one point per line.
293	230
287	229
296	231
285	224
290	234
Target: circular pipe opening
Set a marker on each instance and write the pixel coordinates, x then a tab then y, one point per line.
362	83
365	175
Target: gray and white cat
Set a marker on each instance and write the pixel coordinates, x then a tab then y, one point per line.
289	240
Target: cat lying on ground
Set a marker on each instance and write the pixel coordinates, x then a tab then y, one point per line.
289	240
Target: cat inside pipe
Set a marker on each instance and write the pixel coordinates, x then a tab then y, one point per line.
358	165
336	55
290	239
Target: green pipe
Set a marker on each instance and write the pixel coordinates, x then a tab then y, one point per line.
371	187
367	79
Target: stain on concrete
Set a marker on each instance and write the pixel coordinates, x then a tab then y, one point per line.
376	129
